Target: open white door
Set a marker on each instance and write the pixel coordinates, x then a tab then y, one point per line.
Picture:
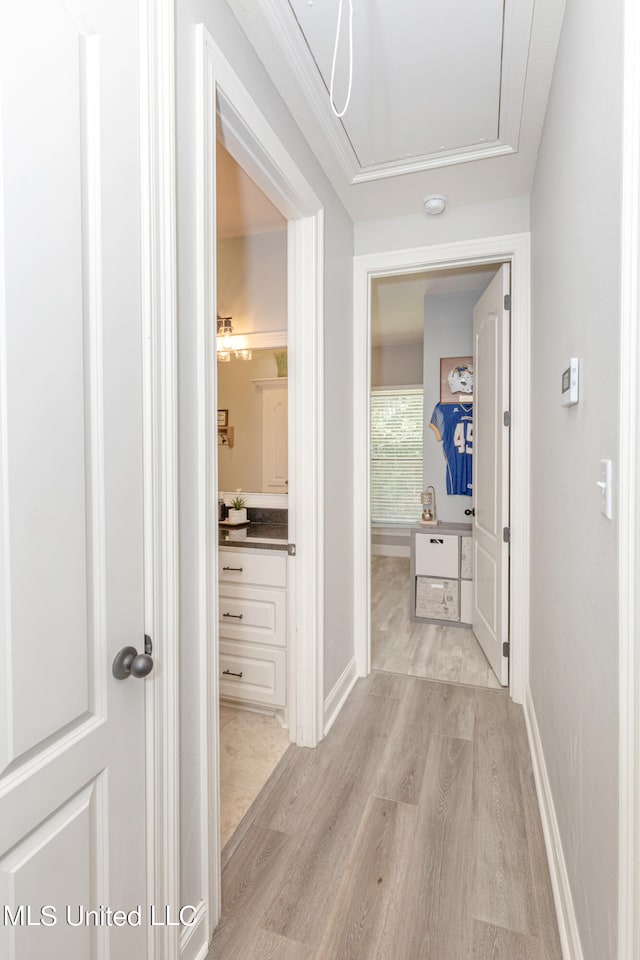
491	472
72	764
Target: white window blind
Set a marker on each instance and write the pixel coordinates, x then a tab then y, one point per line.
396	455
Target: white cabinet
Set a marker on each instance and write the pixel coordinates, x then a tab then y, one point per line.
442	574
275	434
252	613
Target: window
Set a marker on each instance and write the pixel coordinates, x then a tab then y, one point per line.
396	455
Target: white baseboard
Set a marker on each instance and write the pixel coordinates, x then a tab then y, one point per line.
193	939
341	690
567	923
389	550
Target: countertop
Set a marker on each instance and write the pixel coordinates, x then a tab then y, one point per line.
461	529
261	536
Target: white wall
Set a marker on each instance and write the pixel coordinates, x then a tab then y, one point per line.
396	365
339	432
448	332
575	221
470	222
252	281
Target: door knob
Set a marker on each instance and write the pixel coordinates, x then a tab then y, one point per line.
129	663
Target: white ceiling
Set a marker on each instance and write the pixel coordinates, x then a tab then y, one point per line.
447	97
241	207
397	303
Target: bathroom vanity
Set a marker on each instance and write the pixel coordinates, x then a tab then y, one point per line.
252	614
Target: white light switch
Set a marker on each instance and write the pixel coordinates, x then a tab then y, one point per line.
605	486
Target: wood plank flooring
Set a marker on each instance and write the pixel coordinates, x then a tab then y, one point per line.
411	832
419	649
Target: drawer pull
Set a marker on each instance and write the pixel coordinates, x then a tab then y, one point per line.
433	540
230	673
235	569
236	616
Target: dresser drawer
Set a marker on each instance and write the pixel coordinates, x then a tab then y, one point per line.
437	599
238	566
250	613
253	673
436	555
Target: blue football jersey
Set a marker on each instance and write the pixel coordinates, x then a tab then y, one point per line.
452	423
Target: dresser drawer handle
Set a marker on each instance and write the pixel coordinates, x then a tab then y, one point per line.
235	569
236	616
433	540
230	673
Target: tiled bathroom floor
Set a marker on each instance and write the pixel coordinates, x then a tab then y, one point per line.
251	745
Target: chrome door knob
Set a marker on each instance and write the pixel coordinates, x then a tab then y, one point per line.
129	663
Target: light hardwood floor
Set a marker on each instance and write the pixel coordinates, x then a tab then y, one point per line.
411	832
418	649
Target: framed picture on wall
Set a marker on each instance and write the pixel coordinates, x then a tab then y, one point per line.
456	379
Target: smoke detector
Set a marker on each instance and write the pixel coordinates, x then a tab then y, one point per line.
435	204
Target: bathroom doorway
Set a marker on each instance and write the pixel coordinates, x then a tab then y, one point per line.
253	468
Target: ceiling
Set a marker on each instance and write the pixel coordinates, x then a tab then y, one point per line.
241	207
397	302
447	97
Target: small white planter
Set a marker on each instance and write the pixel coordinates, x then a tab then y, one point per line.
237	516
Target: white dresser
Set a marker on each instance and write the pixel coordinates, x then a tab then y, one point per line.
252	614
442	574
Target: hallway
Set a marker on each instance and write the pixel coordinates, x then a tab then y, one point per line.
411	833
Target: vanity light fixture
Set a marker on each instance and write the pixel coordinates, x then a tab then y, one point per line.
224	330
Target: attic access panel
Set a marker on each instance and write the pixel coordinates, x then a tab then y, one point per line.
432	79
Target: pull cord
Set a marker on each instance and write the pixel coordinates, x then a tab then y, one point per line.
341	113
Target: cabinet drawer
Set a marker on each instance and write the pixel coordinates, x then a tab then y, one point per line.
437	599
436	555
249	613
238	566
466	557
252	673
466	601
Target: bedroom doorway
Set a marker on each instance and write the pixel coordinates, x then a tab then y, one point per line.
422	383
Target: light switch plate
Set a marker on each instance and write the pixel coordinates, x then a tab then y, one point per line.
606	488
569	390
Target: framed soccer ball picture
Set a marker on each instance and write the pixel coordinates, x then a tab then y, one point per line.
456	379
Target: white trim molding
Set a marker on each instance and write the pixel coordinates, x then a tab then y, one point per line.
226	110
513	249
193	942
338	696
629	501
565	912
160	411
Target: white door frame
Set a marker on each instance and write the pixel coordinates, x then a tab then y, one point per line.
160	407
513	249
223	99
629	501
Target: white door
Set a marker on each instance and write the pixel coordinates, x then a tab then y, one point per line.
491	472
72	765
275	437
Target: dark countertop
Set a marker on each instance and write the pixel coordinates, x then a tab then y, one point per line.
261	536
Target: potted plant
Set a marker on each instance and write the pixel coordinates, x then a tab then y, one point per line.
237	510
